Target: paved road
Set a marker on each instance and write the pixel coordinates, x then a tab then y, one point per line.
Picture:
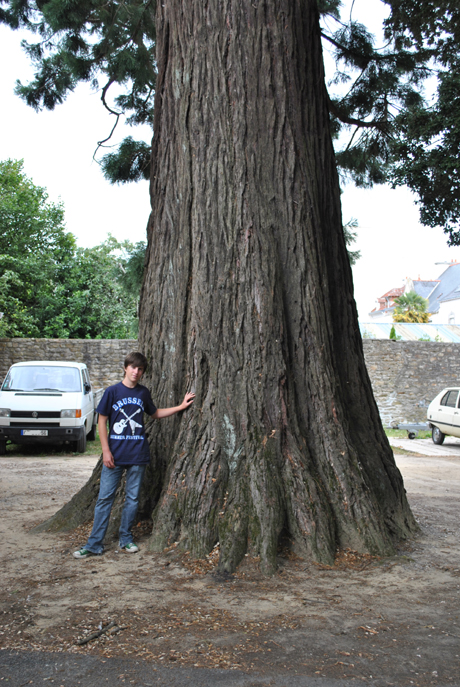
18	669
450	447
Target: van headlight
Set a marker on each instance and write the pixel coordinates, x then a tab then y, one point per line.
70	413
5	412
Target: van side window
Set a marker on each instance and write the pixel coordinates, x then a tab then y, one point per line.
85	375
450	399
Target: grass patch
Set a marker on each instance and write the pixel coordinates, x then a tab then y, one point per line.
93	448
402	434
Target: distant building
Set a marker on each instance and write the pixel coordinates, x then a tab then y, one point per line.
386	305
443	295
444	300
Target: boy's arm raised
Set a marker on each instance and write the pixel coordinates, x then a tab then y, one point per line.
166	412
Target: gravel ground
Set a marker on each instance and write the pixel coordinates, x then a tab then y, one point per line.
173	621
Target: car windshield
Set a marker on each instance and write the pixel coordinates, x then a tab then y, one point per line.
42	378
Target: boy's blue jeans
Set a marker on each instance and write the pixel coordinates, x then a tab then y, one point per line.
110	479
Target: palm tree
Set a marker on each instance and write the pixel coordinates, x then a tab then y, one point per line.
410	307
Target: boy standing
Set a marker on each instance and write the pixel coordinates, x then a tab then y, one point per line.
124	447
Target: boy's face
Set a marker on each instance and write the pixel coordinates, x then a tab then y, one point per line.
133	374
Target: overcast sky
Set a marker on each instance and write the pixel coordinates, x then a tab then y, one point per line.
57	148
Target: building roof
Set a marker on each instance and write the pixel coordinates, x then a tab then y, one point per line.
386	302
394	293
424	288
447	289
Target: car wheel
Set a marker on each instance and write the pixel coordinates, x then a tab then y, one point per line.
80	444
92	433
2	448
437	436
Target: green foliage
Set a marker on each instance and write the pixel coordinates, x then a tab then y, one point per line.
393	335
34	249
410	307
426	156
350	238
92	302
132	266
376	96
395	134
130	163
331	7
29	223
432	22
96	42
49	287
380	83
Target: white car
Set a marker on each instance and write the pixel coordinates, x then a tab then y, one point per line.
443	415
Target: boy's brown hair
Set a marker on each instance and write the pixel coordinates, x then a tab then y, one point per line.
136	359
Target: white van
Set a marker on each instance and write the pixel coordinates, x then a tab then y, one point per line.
48	402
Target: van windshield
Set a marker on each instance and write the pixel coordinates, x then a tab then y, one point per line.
42	378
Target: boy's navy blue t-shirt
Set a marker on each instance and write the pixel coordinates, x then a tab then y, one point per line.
125	409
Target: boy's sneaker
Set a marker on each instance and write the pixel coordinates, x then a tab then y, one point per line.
83	553
130	548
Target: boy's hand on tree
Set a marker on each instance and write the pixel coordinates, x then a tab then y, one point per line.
188	400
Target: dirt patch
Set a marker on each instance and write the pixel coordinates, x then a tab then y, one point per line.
392	621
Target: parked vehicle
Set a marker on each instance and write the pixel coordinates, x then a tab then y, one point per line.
48	402
413	428
444	415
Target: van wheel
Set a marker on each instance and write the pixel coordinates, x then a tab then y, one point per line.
80	444
437	436
91	436
2	448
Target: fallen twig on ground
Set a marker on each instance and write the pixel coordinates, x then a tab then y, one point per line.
98	633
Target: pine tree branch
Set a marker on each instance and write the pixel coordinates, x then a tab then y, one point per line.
347	51
380	125
114	112
424	54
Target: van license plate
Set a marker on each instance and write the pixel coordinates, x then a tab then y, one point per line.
34	432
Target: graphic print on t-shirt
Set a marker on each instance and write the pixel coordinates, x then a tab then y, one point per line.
124	420
119	426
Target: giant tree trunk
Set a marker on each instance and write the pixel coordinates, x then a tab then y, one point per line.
248	299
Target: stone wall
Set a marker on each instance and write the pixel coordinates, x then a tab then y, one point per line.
104	357
405	375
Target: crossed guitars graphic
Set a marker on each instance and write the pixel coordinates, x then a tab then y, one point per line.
120	426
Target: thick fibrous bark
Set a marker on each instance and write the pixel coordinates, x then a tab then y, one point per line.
248	299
